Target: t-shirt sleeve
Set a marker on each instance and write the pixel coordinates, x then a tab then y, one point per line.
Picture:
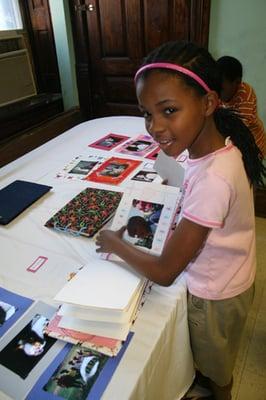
207	201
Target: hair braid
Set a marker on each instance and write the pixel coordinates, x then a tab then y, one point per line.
229	124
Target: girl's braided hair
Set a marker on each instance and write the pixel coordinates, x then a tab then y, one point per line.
228	123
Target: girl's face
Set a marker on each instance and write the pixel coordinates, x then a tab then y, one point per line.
175	116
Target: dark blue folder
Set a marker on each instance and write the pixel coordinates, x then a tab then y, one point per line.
18	196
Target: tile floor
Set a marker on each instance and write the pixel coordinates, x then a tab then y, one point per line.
250	370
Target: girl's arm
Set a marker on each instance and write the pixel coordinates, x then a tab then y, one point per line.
182	247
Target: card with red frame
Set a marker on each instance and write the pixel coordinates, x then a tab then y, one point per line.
109	141
113	171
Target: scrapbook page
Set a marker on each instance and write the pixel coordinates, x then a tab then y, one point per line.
79	167
86	213
138	146
26	351
148	212
77	373
109	141
113	171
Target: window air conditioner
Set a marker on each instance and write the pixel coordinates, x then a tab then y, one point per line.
16	77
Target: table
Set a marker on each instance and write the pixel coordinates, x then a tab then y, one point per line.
158	362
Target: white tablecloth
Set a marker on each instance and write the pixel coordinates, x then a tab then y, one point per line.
158	362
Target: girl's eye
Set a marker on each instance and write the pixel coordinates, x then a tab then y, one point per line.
169	110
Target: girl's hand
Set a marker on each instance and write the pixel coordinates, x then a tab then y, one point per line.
108	241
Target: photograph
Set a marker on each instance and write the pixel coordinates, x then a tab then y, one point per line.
109	141
145	176
79	167
6	312
114	169
83	167
143	219
77	373
138	146
27	348
12	307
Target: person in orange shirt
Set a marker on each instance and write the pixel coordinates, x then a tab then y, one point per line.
241	97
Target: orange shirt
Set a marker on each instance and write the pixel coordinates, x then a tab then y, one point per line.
244	102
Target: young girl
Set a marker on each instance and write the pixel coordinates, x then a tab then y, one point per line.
178	93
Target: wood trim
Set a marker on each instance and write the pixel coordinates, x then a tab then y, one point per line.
200	21
29	139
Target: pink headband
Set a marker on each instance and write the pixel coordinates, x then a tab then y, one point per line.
173	67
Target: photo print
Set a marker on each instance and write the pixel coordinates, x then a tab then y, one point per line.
114	169
76	375
139	146
79	167
143	219
109	141
27	348
6	312
12	306
145	176
83	167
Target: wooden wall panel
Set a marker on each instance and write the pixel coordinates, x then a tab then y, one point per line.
112	37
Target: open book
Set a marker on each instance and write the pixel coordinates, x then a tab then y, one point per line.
148	212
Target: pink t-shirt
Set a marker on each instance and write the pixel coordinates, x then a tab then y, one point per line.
217	194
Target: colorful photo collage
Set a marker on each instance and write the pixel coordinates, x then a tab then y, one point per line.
115	169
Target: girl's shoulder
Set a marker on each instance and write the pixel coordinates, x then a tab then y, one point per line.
224	165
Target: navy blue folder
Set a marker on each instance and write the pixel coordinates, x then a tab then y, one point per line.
18	196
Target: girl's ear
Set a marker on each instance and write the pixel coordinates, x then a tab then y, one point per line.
212	102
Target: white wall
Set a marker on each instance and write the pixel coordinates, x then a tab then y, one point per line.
65	51
238	29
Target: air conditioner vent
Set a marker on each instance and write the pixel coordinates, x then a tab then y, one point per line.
9	44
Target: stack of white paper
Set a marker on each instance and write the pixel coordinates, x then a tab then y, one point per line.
102	299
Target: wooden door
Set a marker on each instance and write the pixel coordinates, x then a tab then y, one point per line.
111	38
39	27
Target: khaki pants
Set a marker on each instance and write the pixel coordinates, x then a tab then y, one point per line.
215	328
